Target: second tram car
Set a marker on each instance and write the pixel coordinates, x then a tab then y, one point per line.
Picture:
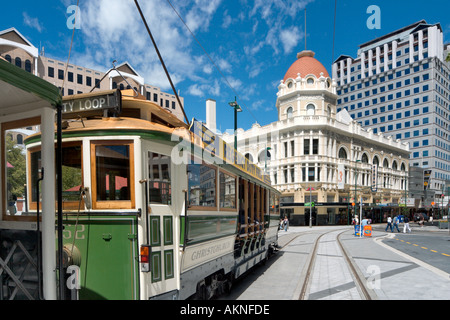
154	208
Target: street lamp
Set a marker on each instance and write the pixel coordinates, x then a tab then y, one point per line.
237	108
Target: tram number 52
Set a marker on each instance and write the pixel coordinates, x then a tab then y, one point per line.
79	234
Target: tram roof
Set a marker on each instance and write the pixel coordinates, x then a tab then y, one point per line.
22	91
145	118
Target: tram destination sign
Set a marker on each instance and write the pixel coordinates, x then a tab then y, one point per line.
91	103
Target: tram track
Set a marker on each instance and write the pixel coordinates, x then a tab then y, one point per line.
309	269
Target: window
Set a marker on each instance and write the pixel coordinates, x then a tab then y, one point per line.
89	82
315	146
79	78
28	65
201	185
227	191
18	62
311	174
342	153
51	72
306	146
60	74
70	76
289	112
310	110
159	182
112	174
13	163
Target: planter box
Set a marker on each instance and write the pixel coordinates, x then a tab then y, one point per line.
443	224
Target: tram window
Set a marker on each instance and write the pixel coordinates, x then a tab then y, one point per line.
227	185
113	175
201	185
71	175
159	178
13	160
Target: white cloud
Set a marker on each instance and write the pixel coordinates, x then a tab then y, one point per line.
205	90
32	22
290	38
113	29
274	13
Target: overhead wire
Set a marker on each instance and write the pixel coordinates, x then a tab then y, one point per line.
70	48
161	59
212	61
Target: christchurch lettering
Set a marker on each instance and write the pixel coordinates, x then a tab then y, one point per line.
198	254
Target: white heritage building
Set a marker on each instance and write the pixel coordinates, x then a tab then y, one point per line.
310	147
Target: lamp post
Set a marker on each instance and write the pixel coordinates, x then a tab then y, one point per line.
237	108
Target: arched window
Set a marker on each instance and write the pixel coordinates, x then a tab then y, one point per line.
249	157
262	158
342	153
18	62
289	112
121	87
385	163
8	58
28	65
289	85
394	165
329	111
364	158
376	161
310	110
310	81
402	167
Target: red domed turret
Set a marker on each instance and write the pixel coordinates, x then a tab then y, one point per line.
306	64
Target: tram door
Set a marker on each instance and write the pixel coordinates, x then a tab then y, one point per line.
161	221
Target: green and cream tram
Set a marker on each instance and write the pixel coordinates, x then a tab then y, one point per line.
154	208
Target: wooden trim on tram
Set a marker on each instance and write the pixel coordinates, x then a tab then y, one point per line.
112	204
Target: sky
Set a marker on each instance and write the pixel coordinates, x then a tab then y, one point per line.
214	49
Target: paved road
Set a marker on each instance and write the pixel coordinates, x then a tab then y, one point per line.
392	266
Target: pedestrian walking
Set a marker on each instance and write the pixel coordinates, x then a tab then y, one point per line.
286	223
389	223
421	221
406	225
396	220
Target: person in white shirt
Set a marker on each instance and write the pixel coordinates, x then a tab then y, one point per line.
389	224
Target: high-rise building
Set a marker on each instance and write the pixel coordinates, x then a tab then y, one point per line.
399	85
16	49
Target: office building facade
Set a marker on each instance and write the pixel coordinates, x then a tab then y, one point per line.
16	49
399	85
